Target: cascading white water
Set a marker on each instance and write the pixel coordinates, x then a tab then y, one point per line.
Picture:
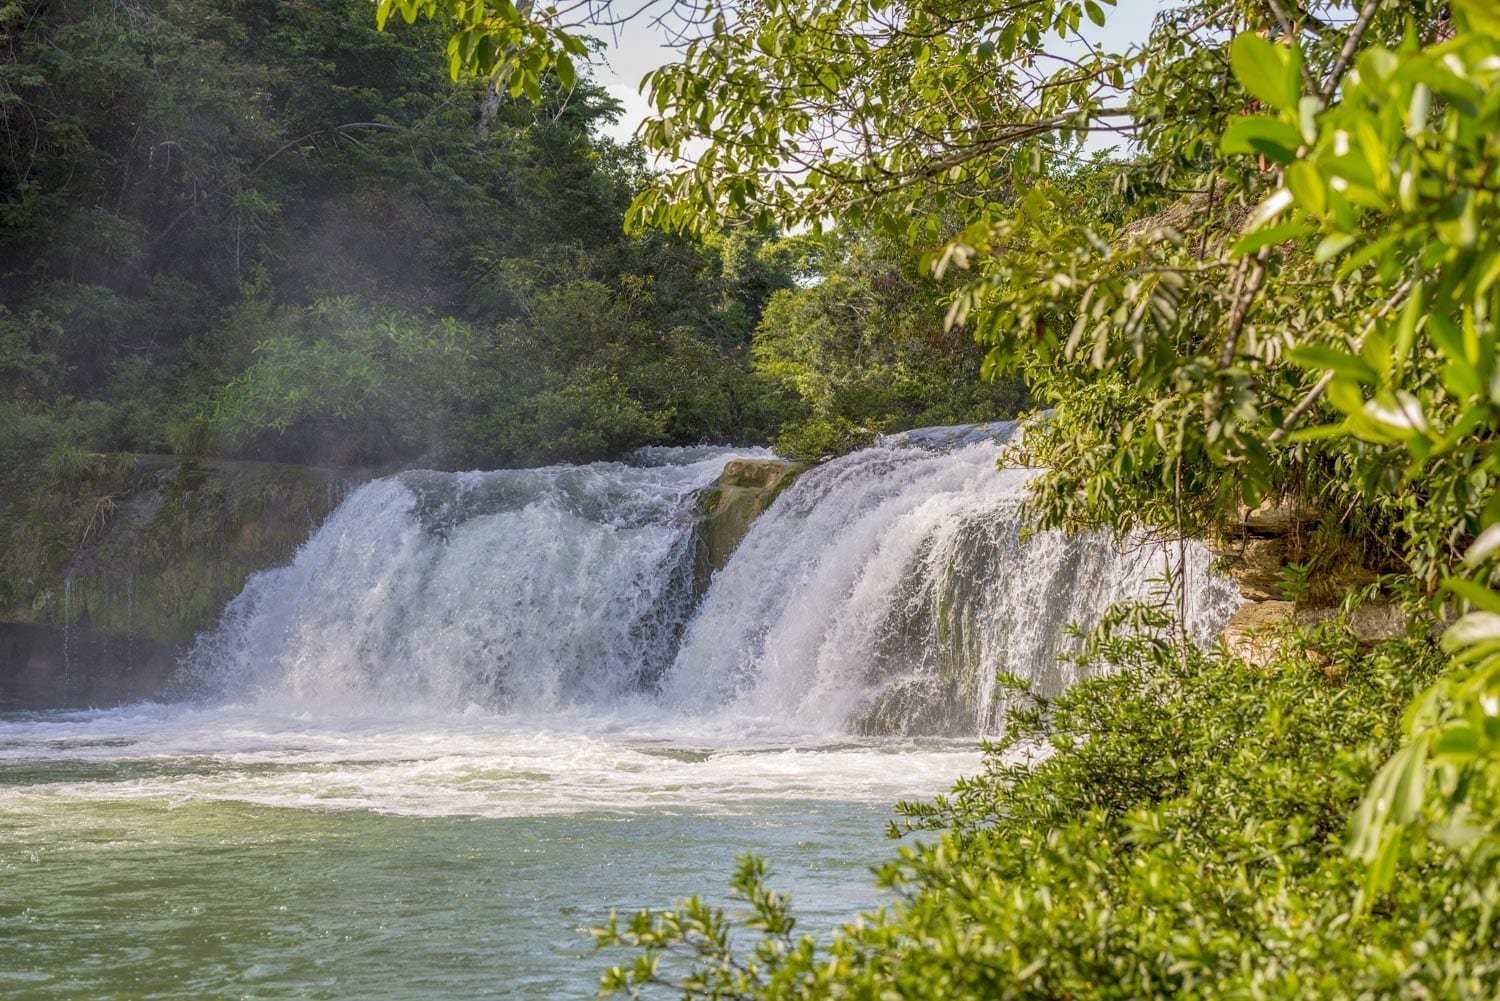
881	593
522	590
886	589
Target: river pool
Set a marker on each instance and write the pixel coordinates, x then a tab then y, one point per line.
164	851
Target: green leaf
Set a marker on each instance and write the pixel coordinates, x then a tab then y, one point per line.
1474	593
1481	13
1308	187
1476	627
1376	352
1332	246
1273	73
1446	336
567	76
1268	137
1342	363
1345	395
1322	432
1457	742
1483	547
1252	242
1406	329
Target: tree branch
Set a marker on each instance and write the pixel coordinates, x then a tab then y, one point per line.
1351	45
1316	393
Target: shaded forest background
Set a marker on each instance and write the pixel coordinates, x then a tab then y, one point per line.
265	230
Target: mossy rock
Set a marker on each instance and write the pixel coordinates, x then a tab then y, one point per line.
157	548
744	491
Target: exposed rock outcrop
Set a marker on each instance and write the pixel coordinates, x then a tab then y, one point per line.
1252	632
145	556
1278	517
1256	631
1260	551
744	491
1256	565
49	667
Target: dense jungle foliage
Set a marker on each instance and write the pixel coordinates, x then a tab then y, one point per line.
1288	288
269	230
266	230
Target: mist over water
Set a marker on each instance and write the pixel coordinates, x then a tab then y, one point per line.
480	709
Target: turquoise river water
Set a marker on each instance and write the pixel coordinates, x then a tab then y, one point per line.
164	852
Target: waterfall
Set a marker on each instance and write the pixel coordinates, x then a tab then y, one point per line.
886	589
518	590
881	593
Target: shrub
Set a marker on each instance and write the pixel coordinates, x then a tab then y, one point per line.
1181	834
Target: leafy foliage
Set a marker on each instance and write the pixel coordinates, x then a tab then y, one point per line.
1174	829
356	383
311	245
1313	315
863	351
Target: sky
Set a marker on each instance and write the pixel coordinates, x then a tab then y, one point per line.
641	48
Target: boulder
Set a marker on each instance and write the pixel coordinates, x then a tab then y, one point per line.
1277	516
49	667
745	490
1377	621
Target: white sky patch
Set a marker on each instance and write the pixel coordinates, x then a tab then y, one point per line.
642	47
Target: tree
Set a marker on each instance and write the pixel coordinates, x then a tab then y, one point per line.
862	349
1315	315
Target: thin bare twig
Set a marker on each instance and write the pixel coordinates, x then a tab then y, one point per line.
1243	301
1351	45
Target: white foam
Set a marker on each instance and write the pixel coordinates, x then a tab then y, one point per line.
467	765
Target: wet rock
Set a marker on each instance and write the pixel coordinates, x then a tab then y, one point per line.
42	667
745	490
925	706
951	436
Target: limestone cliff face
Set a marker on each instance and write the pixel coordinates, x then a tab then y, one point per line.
744	491
129	563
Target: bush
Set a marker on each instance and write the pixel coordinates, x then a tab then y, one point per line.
1183	836
339	382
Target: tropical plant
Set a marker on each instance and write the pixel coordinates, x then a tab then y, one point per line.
1314	314
1172	829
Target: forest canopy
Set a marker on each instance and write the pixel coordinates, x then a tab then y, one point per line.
268	230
